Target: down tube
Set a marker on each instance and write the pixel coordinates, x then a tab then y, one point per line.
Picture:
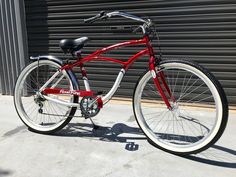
116	85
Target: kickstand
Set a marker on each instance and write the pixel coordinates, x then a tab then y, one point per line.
94	125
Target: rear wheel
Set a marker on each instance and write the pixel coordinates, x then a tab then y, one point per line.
39	114
198	116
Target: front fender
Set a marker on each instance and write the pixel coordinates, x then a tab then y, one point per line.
61	63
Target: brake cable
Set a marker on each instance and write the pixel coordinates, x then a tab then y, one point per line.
156	34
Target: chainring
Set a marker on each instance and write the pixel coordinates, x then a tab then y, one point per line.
89	106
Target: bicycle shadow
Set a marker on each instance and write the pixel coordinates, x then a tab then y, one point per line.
217	156
122	133
105	133
5	172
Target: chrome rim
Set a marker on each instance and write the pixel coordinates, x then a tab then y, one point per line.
35	111
195	117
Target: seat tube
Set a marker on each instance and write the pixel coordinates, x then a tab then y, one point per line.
85	78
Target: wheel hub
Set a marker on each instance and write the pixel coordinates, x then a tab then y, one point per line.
174	106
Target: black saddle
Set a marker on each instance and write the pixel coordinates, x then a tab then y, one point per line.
70	45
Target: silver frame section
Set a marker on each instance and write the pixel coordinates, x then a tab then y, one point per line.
115	86
105	98
49	80
86	84
61	102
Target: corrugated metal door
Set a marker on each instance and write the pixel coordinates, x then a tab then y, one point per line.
13	50
203	30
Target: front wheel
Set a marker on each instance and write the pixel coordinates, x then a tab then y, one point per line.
198	114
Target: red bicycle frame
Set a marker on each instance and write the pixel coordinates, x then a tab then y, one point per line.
125	66
97	55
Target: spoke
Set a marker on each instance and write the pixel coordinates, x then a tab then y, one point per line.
28	101
177	122
32	79
167	128
49	118
146	93
184	90
183	84
32	109
36	117
172	80
28	86
29	108
58	113
154	113
192	91
62	116
193	119
52	112
176	82
169	83
199	100
59	109
187	90
163	117
159	116
163	106
182	125
153	90
193	124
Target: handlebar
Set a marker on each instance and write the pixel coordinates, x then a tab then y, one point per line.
96	17
126	15
103	15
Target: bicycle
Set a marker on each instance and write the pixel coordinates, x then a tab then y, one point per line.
178	104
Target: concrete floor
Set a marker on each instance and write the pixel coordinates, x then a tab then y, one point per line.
114	150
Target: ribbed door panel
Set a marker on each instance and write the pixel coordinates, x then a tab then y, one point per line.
13	52
203	31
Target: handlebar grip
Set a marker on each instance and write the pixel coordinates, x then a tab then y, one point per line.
137	29
92	19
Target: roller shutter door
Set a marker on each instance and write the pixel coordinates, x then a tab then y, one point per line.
203	31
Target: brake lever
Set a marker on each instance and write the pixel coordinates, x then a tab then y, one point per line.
104	17
102	13
136	29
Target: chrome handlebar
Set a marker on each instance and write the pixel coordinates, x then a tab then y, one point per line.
103	15
126	15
